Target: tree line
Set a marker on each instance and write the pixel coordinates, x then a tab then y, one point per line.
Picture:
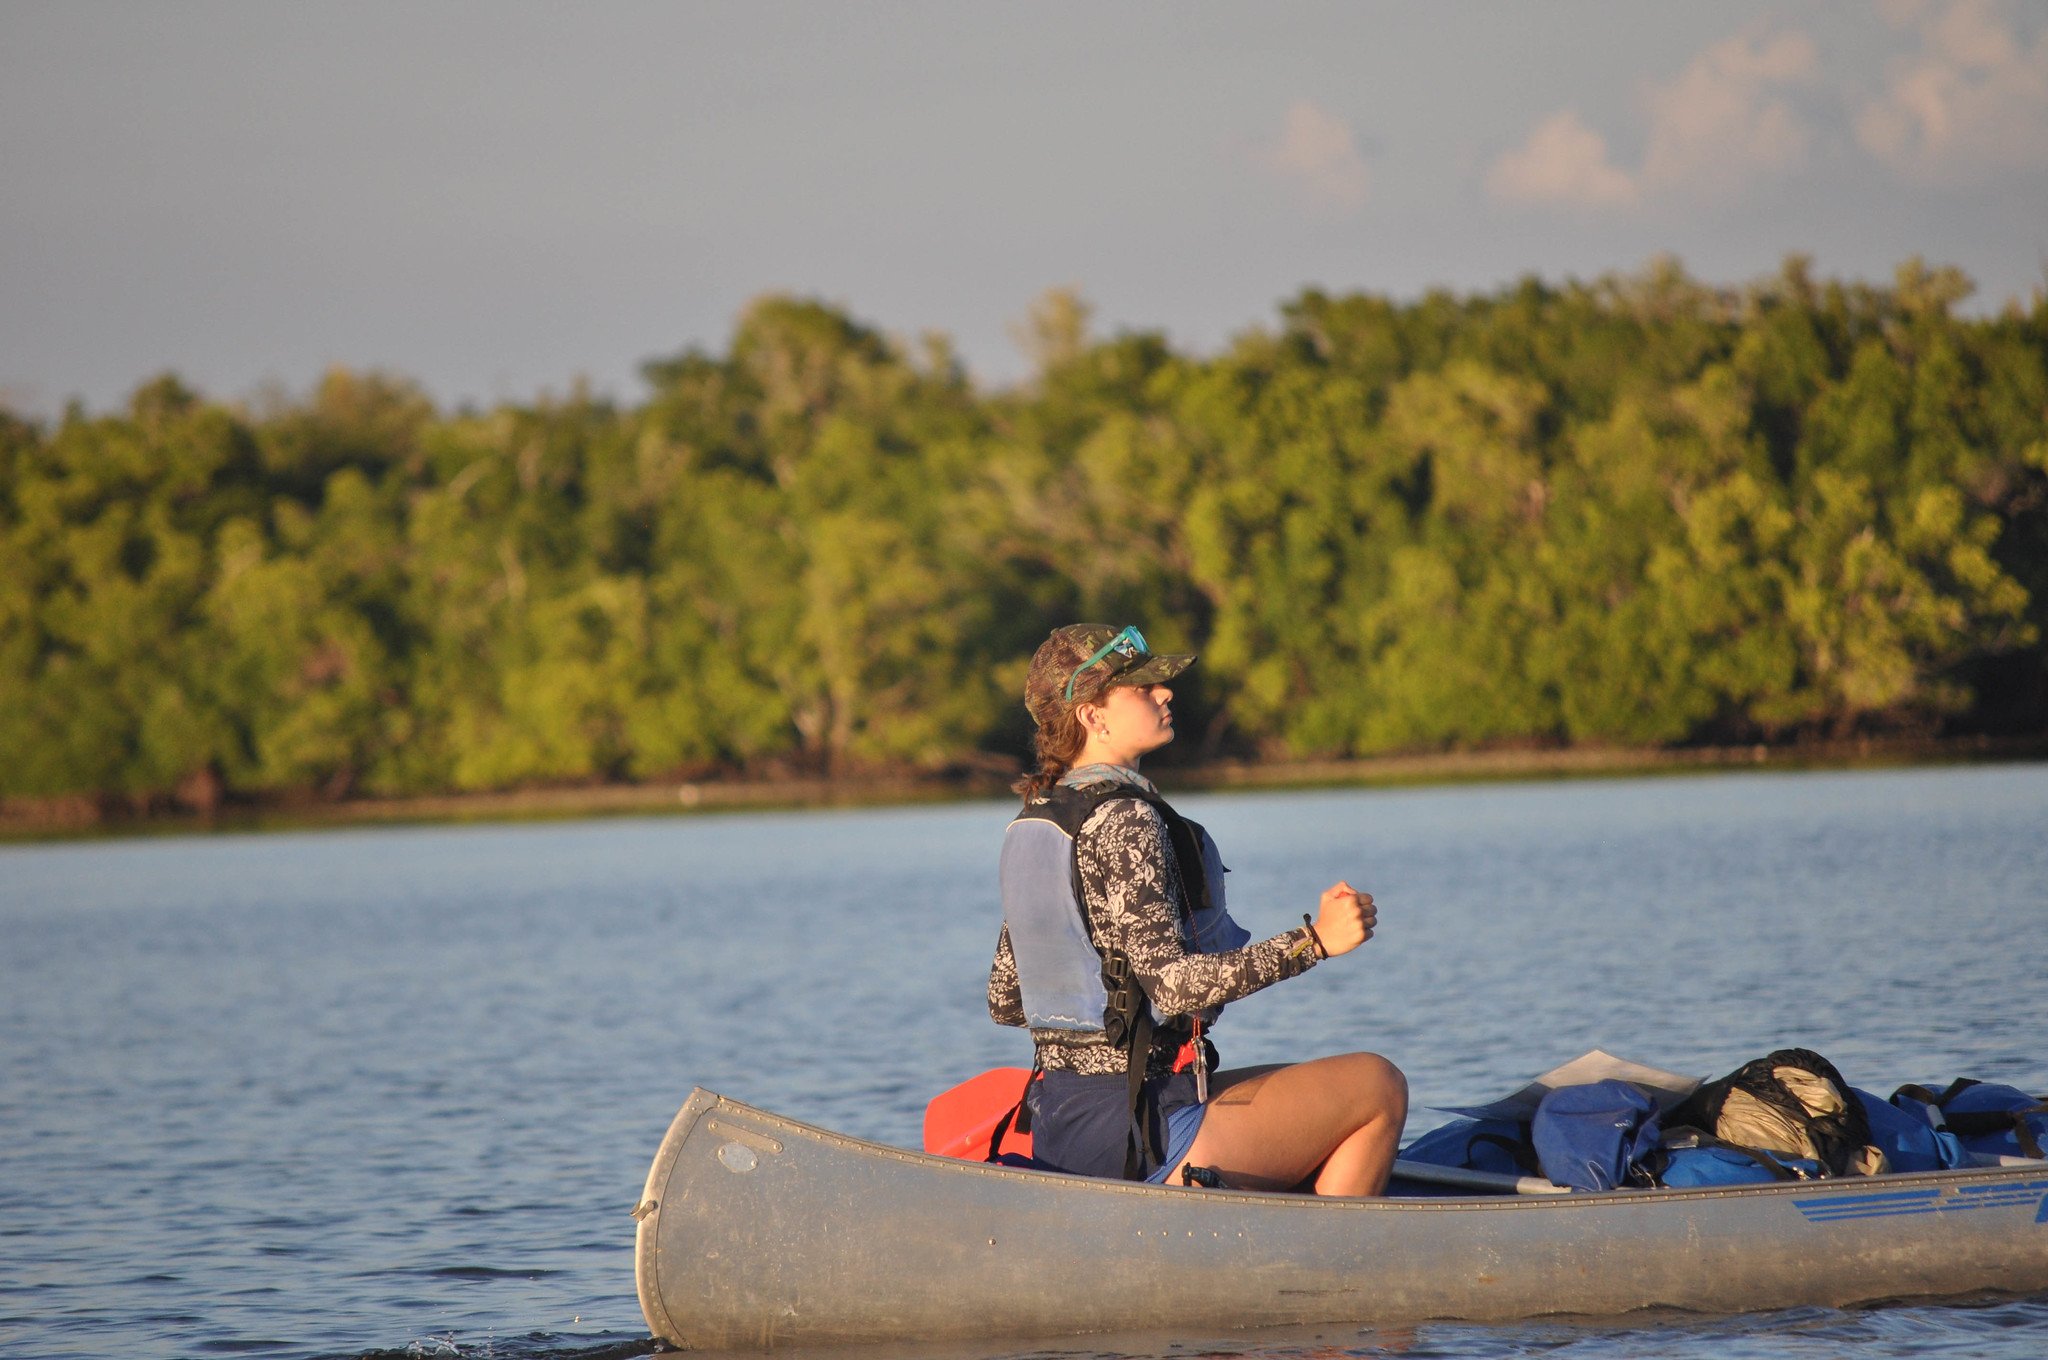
1639	510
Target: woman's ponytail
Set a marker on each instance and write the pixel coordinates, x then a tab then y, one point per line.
1034	785
1056	744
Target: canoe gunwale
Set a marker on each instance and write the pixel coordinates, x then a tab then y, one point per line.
713	1102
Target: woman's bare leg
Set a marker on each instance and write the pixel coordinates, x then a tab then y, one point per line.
1335	1120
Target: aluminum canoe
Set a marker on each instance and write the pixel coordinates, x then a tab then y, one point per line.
760	1232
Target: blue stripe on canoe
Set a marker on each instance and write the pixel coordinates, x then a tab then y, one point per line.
1999	1189
1819	1215
1822	1212
1835	1208
1889	1197
1931	1205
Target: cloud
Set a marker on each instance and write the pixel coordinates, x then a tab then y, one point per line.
1317	154
1972	102
1718	124
1721	122
1899	13
1564	161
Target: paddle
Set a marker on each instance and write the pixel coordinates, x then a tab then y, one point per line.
1426	1173
2004	1159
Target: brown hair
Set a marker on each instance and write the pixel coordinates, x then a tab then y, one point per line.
1060	736
1056	744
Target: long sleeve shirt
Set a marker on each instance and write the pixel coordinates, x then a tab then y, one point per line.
1130	890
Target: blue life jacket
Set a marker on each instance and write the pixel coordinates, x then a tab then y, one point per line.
1066	983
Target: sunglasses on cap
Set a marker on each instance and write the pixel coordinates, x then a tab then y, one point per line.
1119	652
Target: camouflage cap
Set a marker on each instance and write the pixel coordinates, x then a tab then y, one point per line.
1088	658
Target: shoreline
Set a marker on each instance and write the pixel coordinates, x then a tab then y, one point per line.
61	820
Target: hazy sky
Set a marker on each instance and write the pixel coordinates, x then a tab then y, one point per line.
495	199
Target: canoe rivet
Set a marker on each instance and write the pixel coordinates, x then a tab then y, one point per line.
991	1241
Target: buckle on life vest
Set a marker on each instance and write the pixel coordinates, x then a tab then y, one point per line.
1197	1053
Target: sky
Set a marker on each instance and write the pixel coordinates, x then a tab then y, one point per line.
503	200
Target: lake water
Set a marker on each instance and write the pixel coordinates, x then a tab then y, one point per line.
395	1091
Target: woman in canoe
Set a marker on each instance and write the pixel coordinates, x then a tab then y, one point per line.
1119	986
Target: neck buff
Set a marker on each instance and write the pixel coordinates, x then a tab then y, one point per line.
1101	773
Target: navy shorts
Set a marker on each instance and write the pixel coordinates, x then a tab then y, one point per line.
1082	1124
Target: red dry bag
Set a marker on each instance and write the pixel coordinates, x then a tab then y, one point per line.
977	1120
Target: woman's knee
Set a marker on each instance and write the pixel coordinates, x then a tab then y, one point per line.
1382	1085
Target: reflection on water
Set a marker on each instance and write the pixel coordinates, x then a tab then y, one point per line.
396	1090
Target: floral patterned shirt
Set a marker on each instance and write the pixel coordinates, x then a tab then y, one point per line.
1130	885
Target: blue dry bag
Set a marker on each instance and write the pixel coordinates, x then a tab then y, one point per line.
1908	1141
1496	1145
1985	1116
1725	1164
1594	1137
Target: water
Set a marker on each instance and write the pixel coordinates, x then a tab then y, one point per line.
395	1091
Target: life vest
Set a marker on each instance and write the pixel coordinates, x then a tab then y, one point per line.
1066	984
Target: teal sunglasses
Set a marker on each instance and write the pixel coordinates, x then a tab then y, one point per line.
1129	644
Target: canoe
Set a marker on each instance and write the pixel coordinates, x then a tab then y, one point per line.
759	1232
